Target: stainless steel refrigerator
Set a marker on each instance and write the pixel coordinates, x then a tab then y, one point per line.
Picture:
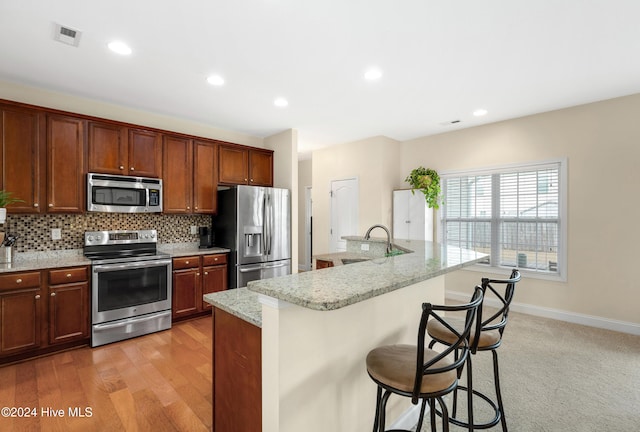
255	223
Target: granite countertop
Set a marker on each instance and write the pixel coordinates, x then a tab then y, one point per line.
27	261
239	302
340	286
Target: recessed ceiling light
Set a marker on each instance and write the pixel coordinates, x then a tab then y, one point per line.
119	47
373	74
480	112
280	102
215	80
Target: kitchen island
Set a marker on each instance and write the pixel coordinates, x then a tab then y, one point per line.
317	327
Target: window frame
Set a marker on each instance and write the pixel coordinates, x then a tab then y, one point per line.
561	163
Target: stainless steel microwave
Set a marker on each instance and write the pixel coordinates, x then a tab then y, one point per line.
123	194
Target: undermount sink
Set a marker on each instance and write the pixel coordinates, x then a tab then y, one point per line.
353	260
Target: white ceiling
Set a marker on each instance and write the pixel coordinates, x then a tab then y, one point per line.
441	60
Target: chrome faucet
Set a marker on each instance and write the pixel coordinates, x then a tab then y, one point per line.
367	236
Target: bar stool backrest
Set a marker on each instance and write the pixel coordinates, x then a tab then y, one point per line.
473	320
498	320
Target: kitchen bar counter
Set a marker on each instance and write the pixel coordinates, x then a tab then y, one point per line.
340	286
239	302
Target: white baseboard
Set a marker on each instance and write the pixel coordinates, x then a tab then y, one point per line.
560	315
409	418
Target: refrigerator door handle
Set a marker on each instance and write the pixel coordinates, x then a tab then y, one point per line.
264	224
270	224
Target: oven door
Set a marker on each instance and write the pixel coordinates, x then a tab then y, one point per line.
130	289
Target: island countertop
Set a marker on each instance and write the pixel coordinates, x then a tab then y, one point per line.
336	287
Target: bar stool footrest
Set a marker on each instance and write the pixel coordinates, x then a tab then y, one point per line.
465	424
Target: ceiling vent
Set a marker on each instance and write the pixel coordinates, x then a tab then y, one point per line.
67	35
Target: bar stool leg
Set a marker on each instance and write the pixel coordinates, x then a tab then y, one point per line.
470	393
377	418
496	379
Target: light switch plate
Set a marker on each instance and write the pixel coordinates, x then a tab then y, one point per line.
194	229
56	233
364	247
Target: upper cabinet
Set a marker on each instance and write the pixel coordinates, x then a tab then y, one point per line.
65	164
242	165
22	159
189	175
115	149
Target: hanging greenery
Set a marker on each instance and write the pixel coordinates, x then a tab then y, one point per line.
428	181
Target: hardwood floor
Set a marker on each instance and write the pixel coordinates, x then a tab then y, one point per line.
158	382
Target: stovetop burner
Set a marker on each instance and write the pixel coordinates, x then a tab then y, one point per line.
113	246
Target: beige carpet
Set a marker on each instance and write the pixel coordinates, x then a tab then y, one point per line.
561	377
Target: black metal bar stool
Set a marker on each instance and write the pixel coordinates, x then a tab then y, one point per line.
421	373
490	338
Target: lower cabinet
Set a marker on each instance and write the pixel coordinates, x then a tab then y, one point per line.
194	276
237	374
68	305
28	325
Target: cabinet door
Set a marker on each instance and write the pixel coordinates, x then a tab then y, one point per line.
186	293
233	165
65	165
214	279
68	312
20	321
260	168
177	171
205	177
107	148
145	153
22	157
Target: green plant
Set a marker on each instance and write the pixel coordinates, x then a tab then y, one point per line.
428	181
6	199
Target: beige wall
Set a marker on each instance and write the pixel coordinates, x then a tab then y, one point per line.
601	142
304	180
374	162
65	102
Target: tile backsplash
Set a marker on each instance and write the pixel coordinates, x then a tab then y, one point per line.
34	231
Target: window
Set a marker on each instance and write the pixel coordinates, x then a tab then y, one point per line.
513	214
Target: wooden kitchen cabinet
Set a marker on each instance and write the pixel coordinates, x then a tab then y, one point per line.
241	165
214	276
321	264
65	164
68	304
22	157
116	149
189	176
193	277
20	312
237	374
186	286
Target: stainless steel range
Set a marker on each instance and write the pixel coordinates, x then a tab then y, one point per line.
131	285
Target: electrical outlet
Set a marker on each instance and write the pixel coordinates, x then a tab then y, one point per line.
56	234
194	229
364	246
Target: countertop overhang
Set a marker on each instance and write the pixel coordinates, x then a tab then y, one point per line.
336	287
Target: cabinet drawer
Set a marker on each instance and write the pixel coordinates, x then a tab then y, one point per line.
211	260
186	262
64	276
19	280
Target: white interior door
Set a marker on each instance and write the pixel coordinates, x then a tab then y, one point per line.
344	213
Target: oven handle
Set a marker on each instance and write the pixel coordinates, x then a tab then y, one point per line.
99	327
132	265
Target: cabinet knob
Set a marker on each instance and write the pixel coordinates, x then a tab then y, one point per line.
131	169
206	273
197	274
196	207
251	180
50	205
245	179
36	205
53	294
186	262
188	208
37	296
18	280
68	275
121	167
